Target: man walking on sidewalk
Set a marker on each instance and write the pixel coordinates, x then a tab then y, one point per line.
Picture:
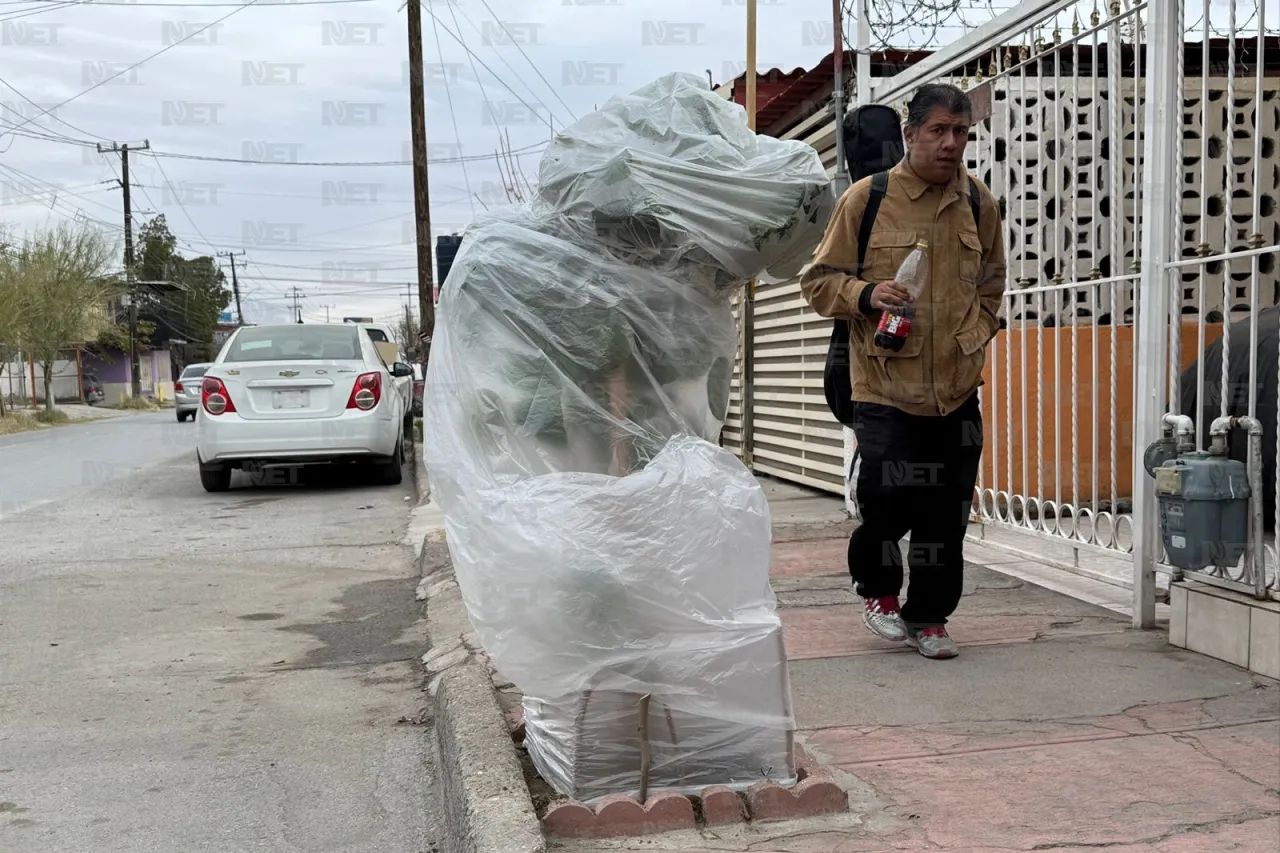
916	412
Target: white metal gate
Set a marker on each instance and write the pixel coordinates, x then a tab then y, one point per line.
1133	150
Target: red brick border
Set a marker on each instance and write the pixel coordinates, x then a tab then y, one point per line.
621	815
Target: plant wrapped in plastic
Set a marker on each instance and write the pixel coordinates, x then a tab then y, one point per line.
606	548
670	177
554	329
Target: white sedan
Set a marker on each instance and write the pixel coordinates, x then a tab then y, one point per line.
294	395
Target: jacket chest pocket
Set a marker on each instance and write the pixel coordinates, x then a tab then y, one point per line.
970	252
886	250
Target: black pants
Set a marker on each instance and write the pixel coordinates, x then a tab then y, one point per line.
917	475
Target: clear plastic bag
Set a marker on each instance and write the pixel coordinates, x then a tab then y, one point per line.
606	547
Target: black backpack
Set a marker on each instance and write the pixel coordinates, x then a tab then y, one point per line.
873	145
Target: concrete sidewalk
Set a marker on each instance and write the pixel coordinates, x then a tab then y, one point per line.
1058	728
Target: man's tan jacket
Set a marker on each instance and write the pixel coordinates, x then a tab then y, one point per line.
957	314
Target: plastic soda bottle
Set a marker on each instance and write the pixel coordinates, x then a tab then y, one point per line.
891	334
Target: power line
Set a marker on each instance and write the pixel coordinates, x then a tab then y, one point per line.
220	190
159	52
266	4
453	115
11	88
472	53
527	149
13	16
336	263
454	12
34	180
178	198
535	68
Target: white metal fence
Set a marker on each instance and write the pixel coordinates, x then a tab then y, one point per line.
1132	146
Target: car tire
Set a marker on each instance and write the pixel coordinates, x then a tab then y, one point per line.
182	417
215	479
391	472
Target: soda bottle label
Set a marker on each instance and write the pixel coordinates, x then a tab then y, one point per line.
894	324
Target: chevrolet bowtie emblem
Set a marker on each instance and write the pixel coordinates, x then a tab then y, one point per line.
288	373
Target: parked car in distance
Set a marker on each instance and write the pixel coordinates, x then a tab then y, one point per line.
186	391
300	394
92	389
418	387
384	342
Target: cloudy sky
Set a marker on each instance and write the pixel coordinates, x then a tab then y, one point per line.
313	93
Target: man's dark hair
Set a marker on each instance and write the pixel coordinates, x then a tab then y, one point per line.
932	96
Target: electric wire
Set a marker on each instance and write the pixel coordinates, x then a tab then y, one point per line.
144	60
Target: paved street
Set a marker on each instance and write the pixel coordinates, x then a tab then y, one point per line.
185	672
48	464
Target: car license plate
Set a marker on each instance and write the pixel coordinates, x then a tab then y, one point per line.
289	399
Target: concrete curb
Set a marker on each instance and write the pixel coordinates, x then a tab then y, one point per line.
417	466
487	806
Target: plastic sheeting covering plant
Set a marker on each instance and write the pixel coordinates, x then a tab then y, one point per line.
579	378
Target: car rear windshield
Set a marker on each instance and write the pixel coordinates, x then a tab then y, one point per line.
294	343
194	372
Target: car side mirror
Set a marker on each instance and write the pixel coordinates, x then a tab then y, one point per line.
400	369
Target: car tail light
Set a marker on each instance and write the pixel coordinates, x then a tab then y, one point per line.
366	393
214	396
177	386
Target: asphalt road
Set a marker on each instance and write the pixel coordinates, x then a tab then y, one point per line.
44	465
183	671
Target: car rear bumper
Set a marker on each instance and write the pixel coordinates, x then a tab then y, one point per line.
230	439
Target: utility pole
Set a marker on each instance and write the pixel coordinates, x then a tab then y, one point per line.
130	291
235	284
421	197
841	179
326	311
297	296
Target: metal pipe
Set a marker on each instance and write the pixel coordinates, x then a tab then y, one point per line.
1255	551
863	70
841	179
1183	427
1159	145
1223	256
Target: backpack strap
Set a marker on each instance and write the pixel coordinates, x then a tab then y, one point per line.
975	201
879	187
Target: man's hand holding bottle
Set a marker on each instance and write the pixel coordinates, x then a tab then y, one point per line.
891	296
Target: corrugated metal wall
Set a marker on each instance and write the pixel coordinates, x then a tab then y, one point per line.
795	436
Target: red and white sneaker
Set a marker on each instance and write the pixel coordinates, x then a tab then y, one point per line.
933	643
884	617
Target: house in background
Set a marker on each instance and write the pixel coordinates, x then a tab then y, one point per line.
113	369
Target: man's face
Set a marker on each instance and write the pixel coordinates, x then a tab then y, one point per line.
937	148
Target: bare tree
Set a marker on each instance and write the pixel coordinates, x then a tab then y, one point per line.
9	308
58	280
515	183
405	332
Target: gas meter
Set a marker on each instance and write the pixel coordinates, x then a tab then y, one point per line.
1204	504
